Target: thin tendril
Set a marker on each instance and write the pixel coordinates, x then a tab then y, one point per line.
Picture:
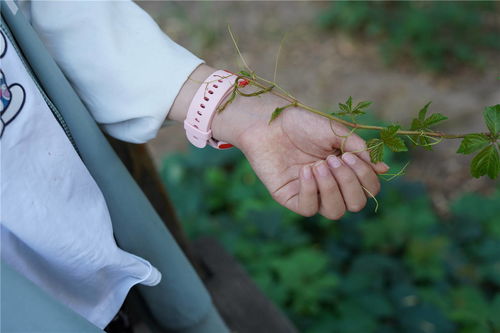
394	175
237	48
277	87
371	196
342	145
278	57
435	140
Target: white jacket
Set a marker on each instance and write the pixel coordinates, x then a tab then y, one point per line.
125	69
54	224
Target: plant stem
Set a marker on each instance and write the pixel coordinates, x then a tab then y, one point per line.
285	95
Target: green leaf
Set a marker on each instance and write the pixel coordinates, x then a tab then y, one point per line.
245	73
347	109
486	162
376	149
423	123
276	113
395	144
391	140
423	112
343	109
472	143
389	131
349	102
417	125
423	142
362	105
358	112
492	118
434	119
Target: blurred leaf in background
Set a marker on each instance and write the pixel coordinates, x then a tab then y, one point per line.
402	269
437	35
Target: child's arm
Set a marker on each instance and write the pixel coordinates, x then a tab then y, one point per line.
294	156
129	73
123	67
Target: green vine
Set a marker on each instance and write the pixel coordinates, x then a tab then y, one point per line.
393	137
420	133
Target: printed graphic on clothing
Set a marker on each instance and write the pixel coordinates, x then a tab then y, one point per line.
12	97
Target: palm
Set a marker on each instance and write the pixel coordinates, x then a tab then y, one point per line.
293	140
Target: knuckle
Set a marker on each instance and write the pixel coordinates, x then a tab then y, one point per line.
349	179
364	172
329	186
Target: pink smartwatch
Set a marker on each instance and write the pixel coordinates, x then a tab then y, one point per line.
202	109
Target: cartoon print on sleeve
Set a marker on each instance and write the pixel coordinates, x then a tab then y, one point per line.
11	97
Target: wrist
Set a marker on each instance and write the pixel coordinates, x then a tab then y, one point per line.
242	115
237	119
179	109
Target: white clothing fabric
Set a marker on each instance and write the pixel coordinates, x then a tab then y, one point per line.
125	69
55	226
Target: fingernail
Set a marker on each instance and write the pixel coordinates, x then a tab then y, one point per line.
334	161
306	172
385	165
322	169
349	158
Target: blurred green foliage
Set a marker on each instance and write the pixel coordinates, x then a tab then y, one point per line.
399	270
438	35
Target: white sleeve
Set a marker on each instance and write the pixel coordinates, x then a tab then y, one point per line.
124	68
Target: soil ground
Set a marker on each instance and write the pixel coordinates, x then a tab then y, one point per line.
324	67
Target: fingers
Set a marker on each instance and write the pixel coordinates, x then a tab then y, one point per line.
339	184
355	144
379	167
332	205
365	173
308	193
352	192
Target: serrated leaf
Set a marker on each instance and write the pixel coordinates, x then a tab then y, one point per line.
423	112
423	123
416	125
349	102
362	105
395	143
389	131
472	143
492	118
486	162
434	119
423	142
358	112
276	113
376	150
344	109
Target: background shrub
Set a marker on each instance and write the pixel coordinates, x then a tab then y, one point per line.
402	269
439	35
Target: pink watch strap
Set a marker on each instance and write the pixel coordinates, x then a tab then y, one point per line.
202	109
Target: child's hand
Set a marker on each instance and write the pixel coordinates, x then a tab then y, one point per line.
295	157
